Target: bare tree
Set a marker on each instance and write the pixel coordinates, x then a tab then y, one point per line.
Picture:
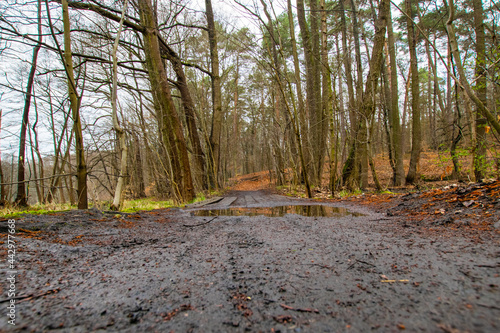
120	132
171	130
75	101
21	198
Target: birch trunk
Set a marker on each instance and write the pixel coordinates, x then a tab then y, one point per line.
120	133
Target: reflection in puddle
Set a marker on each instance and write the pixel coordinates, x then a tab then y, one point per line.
310	210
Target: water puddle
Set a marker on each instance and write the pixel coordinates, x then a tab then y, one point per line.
306	210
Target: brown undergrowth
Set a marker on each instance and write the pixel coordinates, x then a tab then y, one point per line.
441	205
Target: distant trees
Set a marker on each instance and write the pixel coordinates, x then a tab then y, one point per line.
174	101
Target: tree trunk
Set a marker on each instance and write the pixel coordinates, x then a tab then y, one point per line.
456	139
350	171
200	176
387	110
217	116
57	153
480	89
311	95
302	125
368	107
236	132
416	137
171	129
120	132
319	120
357	49
35	149
2	186
69	182
327	94
21	198
361	159
75	109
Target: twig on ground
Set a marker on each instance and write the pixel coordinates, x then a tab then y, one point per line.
197	225
287	307
30	296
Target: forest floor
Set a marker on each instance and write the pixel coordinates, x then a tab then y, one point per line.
417	261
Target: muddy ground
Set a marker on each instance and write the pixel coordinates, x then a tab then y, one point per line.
381	266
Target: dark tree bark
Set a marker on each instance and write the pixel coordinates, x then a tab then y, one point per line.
200	176
416	137
312	101
318	119
327	93
396	136
480	89
360	159
217	116
350	171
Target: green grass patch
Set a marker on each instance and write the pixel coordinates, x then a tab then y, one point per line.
346	194
131	206
37	209
199	197
385	192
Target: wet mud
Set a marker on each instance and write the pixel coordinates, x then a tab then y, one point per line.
173	271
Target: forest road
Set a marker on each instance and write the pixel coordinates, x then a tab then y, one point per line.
238	267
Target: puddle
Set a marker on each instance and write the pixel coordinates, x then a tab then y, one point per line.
307	210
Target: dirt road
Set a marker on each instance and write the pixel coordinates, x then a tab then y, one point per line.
179	271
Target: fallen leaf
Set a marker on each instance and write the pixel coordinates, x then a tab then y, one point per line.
284	319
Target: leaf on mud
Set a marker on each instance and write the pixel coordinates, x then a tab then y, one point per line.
284	319
401	326
468	203
183	307
361	287
440	211
448	329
